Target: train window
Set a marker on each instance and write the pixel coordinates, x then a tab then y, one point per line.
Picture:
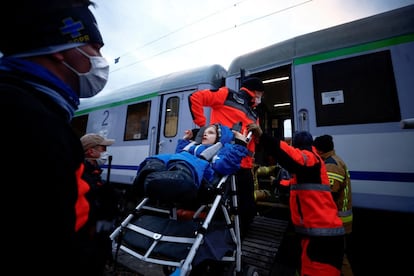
287	128
171	117
137	121
357	90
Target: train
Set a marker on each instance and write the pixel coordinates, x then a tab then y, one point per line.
353	81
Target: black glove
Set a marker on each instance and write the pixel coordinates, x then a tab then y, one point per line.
255	129
195	132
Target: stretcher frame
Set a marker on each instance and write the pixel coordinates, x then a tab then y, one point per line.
225	200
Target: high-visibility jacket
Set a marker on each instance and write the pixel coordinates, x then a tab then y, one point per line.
313	210
340	183
227	107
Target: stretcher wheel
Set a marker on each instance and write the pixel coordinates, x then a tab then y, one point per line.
168	270
250	271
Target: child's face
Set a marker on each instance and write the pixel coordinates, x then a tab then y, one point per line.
209	136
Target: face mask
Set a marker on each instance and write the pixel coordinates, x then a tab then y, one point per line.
255	101
103	158
92	82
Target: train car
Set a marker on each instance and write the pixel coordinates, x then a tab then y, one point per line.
355	82
352	81
145	118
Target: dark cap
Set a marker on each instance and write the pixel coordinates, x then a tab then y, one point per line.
302	140
44	27
324	143
253	84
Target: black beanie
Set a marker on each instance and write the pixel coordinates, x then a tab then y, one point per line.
253	84
35	27
302	140
324	143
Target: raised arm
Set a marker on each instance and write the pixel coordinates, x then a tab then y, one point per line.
228	159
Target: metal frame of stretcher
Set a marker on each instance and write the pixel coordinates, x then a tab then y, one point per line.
223	200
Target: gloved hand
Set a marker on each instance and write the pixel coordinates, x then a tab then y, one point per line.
255	129
239	138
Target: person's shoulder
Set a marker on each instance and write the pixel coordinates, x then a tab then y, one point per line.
339	159
223	89
20	98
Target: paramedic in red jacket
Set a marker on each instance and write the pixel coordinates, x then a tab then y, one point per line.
229	107
313	210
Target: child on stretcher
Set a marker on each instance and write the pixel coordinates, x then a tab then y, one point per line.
195	163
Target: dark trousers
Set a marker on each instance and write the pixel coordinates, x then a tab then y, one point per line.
246	202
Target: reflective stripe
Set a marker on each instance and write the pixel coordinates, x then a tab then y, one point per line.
346	219
336	176
320	231
310	187
305	158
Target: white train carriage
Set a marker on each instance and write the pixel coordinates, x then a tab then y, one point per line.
355	82
145	118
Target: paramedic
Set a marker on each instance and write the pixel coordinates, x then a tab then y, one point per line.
340	182
312	208
229	107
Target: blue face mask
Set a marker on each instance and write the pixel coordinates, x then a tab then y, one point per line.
92	82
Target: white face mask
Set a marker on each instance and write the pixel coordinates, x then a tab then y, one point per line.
258	100
103	158
92	82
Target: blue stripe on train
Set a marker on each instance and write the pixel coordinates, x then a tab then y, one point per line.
359	175
383	176
361	200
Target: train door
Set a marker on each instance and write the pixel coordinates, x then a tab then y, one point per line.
175	119
275	111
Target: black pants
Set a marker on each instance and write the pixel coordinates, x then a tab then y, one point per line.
175	184
245	192
137	190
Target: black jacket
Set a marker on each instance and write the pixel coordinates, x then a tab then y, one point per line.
41	155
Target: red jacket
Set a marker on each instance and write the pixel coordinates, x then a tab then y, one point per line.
313	210
227	107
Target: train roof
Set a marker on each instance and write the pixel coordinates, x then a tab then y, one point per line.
377	27
210	74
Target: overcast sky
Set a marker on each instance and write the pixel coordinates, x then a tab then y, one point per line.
152	38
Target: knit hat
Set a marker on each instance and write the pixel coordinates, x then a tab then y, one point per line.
39	26
91	140
253	84
324	143
302	140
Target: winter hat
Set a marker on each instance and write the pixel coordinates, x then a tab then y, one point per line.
39	28
302	140
324	143
225	135
253	84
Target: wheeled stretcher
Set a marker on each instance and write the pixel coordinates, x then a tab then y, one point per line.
181	236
